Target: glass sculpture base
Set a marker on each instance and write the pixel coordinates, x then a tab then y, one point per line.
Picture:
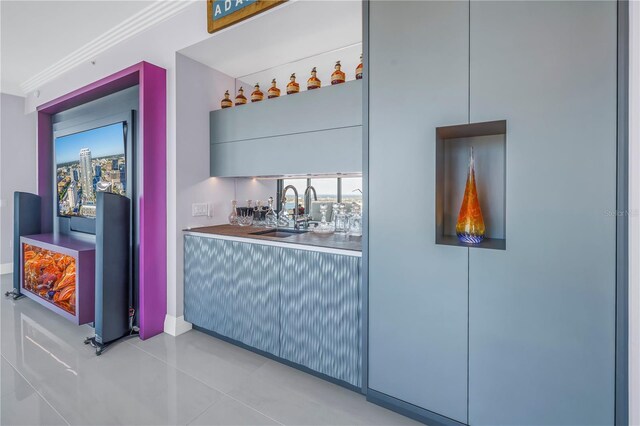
470	238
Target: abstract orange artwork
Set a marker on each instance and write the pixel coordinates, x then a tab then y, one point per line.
50	275
470	227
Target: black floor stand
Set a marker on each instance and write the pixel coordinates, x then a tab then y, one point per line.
14	295
101	347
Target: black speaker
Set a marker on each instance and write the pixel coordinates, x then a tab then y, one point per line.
112	267
26	221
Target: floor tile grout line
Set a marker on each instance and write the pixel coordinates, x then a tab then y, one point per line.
207	385
36	390
201	413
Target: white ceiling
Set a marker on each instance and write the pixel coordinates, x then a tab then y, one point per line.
36	34
306	33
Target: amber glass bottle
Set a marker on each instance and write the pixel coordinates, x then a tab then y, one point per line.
313	82
293	87
241	99
226	102
338	76
257	94
359	69
273	91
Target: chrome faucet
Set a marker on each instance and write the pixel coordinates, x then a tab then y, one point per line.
307	204
295	208
307	200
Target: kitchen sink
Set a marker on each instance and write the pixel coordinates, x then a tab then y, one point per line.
279	233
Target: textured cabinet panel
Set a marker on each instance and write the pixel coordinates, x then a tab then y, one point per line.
302	306
324	151
542	312
209	287
417	289
308	111
257	297
321	313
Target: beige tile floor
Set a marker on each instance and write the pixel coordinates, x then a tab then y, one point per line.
50	377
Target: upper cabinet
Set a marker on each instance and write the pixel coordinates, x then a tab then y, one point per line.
315	131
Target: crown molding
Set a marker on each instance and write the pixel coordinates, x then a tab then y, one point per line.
151	15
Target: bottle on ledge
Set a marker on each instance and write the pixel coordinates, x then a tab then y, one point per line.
313	82
359	69
226	102
241	99
293	87
257	94
273	91
338	76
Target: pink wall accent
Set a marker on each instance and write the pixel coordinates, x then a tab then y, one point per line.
153	209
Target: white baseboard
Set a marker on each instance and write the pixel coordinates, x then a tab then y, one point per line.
6	268
176	326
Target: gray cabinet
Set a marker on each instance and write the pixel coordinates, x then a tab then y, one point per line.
255	295
227	294
302	306
520	336
321	313
316	131
417	289
541	338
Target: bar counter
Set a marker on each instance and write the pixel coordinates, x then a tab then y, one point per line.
330	243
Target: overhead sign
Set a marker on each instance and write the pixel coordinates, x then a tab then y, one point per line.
224	13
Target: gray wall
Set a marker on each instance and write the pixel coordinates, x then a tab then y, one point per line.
17	164
541	313
199	90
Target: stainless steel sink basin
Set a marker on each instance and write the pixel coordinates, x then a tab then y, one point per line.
279	233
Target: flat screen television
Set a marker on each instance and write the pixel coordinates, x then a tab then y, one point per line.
88	162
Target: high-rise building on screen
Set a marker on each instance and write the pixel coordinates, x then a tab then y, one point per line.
87	175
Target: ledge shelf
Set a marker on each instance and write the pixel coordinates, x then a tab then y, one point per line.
452	162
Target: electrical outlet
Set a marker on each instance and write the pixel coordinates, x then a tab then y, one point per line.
199	209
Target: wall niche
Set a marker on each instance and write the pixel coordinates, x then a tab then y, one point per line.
453	144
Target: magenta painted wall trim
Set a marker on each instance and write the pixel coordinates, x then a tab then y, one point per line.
45	171
153	201
153	194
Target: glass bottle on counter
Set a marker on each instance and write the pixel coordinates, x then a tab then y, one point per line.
283	216
341	220
258	214
355	221
270	218
241	99
313	82
233	216
226	102
257	94
359	69
292	87
273	91
323	227
338	76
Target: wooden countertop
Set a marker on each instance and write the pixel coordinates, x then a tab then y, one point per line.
329	241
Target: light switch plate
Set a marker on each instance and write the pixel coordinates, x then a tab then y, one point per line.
199	209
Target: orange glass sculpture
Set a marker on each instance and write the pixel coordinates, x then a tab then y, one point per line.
50	275
273	91
470	227
226	102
